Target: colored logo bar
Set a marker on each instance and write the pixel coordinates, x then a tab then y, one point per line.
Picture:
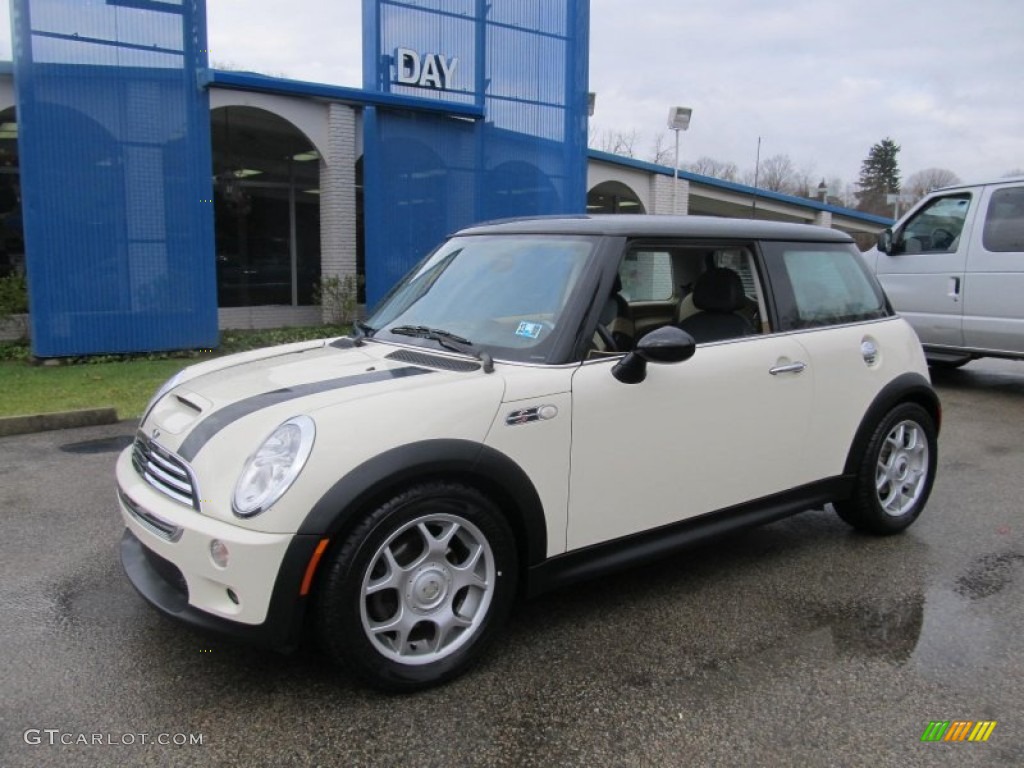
958	730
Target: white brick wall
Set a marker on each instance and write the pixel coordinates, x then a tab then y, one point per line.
338	195
661	195
14	328
280	316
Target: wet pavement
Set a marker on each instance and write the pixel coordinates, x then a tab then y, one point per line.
800	643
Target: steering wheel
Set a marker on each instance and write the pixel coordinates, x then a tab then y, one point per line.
942	238
606	338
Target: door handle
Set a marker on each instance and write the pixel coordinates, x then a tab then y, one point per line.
954	287
796	367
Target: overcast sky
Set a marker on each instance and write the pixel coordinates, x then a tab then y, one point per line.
817	80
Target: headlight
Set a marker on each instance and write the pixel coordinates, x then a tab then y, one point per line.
273	468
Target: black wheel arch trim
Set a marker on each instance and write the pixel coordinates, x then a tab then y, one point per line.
908	387
477	464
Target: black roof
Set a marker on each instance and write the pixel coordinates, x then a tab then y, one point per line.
631	225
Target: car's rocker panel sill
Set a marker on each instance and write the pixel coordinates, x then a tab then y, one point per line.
280	630
599	559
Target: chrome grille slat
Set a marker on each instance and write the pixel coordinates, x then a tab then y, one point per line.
152	523
164	471
182	486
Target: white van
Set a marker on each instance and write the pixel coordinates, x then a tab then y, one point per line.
954	267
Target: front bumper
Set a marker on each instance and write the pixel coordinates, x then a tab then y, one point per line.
165	552
160	583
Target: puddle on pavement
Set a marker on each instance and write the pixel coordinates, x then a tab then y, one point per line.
989	574
100	445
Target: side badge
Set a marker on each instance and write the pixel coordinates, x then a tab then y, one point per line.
526	415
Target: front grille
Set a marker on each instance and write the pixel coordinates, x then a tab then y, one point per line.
164	471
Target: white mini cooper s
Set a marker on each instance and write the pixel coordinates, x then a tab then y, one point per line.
538	401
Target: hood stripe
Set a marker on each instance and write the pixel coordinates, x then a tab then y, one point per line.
218	420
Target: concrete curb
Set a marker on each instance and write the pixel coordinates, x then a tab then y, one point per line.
89	417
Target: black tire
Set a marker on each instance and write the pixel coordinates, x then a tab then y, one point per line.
446	605
896	472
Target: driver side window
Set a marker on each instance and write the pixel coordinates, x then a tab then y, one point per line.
936	228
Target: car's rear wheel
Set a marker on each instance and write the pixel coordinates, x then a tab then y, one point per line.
895	474
419	587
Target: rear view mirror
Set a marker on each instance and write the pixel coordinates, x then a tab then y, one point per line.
885	241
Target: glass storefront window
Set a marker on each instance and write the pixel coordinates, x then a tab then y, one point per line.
266	209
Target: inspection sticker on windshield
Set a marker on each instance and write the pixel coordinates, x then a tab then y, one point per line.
529	330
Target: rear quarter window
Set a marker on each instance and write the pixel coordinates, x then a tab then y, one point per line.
822	284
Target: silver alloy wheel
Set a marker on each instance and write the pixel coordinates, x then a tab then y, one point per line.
427	589
902	471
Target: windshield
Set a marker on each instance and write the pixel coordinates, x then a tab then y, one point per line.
500	294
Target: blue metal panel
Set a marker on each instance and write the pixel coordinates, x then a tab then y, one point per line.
114	143
525	63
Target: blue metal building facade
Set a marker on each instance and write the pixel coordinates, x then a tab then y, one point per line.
524	63
471	110
115	165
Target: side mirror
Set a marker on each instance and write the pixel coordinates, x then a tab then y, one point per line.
885	241
663	345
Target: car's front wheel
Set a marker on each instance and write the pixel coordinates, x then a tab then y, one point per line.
418	587
895	474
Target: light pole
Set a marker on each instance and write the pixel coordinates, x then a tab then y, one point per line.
678	120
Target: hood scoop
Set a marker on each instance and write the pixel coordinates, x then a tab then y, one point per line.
177	413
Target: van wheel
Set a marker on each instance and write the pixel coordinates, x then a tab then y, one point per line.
896	473
418	589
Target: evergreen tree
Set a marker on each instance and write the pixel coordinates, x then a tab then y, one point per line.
879	176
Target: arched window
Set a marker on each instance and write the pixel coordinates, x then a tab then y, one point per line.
613	197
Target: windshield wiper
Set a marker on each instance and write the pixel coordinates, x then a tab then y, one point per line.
442	337
446	339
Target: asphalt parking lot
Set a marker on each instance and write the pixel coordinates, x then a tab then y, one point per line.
800	643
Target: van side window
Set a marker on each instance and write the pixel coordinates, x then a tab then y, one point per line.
936	228
1004	221
822	284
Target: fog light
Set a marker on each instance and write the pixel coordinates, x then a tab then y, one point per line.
219	553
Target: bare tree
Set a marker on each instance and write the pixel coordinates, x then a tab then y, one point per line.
806	182
778	174
921	183
617	142
716	169
662	150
